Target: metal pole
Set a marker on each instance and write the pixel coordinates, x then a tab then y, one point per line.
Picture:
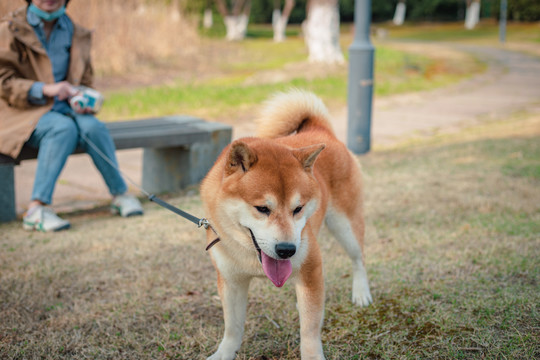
502	21
360	88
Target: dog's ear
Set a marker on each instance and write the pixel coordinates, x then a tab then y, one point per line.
240	157
307	155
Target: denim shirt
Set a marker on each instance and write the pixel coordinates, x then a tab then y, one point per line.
58	48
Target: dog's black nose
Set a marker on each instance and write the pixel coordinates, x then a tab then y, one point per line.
285	250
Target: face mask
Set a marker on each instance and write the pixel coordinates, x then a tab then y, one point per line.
46	16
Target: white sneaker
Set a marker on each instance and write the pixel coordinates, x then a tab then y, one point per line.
42	218
126	205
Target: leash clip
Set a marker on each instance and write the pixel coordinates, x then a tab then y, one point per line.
204	222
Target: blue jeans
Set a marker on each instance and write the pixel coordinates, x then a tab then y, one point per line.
57	136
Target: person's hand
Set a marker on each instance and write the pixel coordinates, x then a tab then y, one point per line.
63	90
84	111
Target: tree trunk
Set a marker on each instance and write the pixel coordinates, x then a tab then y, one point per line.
399	15
208	19
280	20
208	16
175	10
321	31
236	27
472	15
236	20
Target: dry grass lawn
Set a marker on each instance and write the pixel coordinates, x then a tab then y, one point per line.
452	251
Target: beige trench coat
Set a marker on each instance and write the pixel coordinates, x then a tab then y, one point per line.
23	60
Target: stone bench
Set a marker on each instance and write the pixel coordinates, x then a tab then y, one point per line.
178	152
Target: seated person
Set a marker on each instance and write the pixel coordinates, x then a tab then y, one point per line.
43	57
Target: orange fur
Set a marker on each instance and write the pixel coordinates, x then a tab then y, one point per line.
278	189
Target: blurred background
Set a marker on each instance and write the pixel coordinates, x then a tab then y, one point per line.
130	34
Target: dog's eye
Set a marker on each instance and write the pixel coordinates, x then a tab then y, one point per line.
297	210
263	210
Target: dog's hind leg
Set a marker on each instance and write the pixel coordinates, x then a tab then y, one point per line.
350	235
233	294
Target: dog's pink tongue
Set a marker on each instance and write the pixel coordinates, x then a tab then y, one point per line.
278	271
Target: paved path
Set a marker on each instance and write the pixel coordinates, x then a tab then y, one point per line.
511	83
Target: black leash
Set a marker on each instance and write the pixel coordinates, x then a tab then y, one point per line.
185	215
200	222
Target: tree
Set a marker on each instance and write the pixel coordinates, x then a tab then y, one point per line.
399	15
472	15
321	31
236	19
280	19
208	18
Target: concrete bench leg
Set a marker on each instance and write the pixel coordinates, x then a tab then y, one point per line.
8	211
173	169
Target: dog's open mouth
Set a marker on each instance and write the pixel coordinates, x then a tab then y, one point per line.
278	271
255	244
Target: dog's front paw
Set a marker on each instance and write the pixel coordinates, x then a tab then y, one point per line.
360	291
220	356
224	352
362	299
361	295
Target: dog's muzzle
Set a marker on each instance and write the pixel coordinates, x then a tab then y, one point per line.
283	250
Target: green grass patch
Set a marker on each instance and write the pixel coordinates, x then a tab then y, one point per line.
254	55
265	31
215	100
485	31
221	96
525	162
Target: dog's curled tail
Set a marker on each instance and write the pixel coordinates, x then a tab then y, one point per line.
292	111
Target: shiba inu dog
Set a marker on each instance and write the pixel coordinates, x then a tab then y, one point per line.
267	197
